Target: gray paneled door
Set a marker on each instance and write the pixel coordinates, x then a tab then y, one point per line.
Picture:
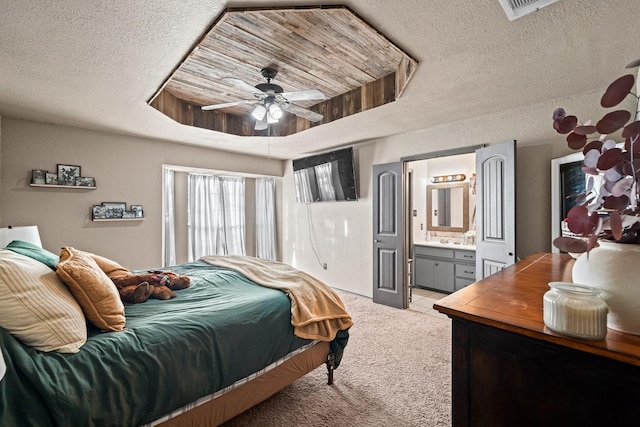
389	269
495	208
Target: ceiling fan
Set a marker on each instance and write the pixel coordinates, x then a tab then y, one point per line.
271	100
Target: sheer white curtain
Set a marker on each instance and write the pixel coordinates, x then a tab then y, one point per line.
216	215
204	215
325	182
265	218
233	214
169	219
303	186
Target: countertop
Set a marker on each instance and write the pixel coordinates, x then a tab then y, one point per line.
437	244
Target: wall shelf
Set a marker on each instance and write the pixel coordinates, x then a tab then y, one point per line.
117	219
75	187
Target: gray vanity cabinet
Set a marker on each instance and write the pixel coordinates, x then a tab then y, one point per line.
443	269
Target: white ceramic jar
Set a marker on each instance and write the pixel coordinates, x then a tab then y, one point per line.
575	310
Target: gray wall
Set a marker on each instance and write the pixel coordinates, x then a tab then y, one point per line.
126	169
129	169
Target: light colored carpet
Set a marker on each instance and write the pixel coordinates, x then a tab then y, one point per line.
396	371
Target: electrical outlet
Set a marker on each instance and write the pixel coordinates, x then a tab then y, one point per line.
324	266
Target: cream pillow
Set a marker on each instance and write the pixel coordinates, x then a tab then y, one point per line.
94	291
37	308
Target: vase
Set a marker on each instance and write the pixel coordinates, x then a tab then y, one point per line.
614	269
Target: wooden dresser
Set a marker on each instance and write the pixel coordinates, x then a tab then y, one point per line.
510	370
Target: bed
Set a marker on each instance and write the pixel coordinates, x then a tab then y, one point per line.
221	346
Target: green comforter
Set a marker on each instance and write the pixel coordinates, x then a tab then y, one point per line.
221	329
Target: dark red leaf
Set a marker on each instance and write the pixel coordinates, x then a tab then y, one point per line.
615	222
556	124
569	244
631	129
579	220
576	141
617	91
593	145
567	124
609	158
613	121
585	130
616	203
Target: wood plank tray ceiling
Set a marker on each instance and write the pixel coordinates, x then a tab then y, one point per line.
328	48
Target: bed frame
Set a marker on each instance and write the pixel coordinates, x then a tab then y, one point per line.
223	408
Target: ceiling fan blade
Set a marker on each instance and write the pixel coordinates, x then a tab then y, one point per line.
241	84
302	112
261	125
228	104
303	95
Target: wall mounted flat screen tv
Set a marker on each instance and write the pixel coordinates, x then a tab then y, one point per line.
325	177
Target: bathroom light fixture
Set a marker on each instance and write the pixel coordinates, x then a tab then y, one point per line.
448	178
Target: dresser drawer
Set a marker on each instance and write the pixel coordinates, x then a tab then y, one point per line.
432	252
466	255
466	271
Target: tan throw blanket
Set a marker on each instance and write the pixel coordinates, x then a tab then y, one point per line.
317	312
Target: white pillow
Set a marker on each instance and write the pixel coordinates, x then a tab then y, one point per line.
37	308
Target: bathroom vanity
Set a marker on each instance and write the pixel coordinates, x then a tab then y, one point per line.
443	267
445	263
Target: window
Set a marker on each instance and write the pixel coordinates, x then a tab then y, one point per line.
215	215
213	212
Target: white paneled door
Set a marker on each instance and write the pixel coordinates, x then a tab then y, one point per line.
495	208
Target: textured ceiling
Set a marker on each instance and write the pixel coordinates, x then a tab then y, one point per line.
96	64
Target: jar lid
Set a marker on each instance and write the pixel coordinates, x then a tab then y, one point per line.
574	288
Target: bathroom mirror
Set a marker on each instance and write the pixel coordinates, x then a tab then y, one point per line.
448	207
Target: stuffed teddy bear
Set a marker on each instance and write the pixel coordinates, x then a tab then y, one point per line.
138	287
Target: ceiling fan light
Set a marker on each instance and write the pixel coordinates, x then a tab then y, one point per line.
259	112
271	119
275	112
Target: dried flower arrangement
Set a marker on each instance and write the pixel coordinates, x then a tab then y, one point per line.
608	208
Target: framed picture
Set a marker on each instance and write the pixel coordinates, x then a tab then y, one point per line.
67	174
38	176
137	210
52	178
114	209
99	211
85	181
128	214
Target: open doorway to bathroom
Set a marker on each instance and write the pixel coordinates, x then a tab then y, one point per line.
440	223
